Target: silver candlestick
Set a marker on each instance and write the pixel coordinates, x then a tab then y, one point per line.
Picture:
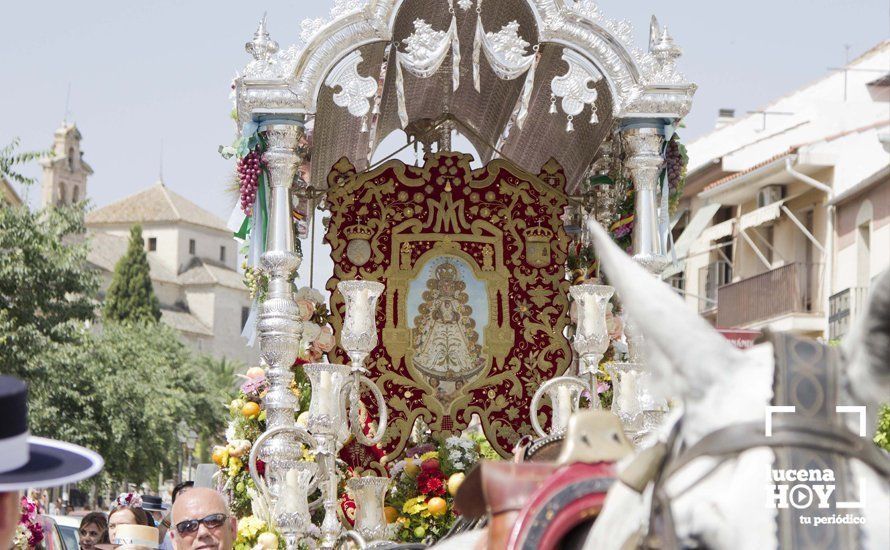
591	335
359	338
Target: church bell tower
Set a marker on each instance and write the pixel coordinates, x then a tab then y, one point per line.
65	172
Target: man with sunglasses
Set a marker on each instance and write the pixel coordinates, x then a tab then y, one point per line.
201	520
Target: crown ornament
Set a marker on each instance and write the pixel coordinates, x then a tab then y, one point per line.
362	232
538	234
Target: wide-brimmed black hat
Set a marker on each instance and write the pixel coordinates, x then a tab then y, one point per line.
33	462
152	503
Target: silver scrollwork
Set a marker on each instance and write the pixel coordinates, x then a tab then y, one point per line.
352	90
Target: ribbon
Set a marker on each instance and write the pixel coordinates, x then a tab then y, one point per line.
264	208
664	228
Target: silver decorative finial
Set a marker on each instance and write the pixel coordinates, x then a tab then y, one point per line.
654	29
666	50
262	46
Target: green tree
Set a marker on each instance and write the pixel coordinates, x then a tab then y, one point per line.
149	381
10	159
131	296
47	290
118	388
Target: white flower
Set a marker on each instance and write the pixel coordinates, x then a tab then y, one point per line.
311	331
307	293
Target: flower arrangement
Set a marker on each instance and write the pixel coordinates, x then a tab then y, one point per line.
29	531
247	419
126	500
421	500
255	534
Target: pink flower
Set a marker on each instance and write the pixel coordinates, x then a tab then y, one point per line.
325	341
314	355
306	309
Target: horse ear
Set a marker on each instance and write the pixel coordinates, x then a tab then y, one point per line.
693	348
867	346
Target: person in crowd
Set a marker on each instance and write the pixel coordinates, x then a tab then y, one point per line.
127	511
31	462
201	519
167	539
180	487
93	530
155	507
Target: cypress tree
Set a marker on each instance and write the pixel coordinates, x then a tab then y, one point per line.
131	296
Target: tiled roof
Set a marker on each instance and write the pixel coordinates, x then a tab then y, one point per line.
106	250
185	322
155	204
761	164
203	273
792	150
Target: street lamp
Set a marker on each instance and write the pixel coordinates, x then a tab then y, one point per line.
182	434
191	439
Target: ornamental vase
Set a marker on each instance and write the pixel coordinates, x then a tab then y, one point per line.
592	336
359	334
368	493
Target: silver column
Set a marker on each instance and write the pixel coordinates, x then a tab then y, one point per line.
644	161
279	326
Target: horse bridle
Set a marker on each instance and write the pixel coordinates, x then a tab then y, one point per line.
730	441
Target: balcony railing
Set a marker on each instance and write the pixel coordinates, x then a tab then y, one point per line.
843	307
792	288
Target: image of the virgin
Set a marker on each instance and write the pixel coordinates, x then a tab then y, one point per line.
446	348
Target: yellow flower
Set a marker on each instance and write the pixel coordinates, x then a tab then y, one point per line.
414	506
249	528
235	466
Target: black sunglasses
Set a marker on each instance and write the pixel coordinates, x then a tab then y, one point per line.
191	525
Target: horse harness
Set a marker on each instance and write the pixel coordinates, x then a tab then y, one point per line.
813	435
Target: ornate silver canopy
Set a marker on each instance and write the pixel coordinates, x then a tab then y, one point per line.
586	65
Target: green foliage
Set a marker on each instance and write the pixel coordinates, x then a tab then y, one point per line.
10	159
882	434
131	297
120	390
150	382
47	291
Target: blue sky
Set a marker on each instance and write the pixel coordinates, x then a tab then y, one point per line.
143	73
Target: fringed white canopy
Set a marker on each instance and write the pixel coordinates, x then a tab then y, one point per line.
532	79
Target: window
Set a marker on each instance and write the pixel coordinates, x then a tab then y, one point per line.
74	194
222	253
192	247
71	159
152	244
245	313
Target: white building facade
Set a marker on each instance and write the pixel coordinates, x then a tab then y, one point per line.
192	255
786	209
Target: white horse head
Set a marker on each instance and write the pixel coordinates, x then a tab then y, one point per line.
718	385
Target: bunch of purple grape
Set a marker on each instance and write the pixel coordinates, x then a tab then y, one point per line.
249	169
673	163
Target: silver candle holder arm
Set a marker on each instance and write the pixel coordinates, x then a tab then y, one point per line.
591	340
359	338
565	398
